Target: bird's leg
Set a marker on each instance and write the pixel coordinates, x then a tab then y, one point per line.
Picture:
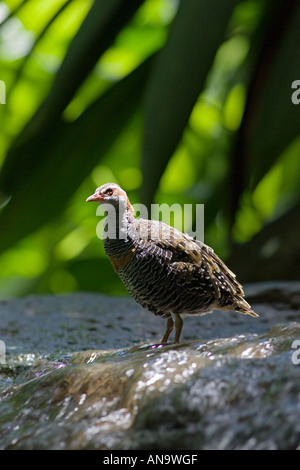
169	328
178	328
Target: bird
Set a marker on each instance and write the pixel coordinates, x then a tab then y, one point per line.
166	271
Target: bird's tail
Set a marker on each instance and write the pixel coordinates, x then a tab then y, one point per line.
243	307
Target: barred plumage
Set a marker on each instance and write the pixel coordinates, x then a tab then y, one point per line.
166	271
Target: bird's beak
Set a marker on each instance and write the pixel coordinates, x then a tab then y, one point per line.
95	197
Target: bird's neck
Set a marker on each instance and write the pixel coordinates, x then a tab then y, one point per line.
118	221
117	237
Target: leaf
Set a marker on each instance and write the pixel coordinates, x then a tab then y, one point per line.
277	120
270	120
41	35
14	12
273	253
98	30
177	80
64	155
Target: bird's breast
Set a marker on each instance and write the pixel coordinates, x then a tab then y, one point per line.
119	263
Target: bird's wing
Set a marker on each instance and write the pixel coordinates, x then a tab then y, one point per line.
195	264
224	280
167	241
188	257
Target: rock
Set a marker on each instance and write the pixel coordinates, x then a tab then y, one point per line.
86	371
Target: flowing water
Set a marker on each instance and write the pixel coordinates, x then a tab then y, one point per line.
219	391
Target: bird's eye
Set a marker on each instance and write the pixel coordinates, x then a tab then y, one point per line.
109	191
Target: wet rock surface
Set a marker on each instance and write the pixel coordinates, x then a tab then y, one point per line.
86	371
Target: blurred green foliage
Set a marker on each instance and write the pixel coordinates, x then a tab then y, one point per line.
177	101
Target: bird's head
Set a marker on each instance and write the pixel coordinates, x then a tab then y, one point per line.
111	193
